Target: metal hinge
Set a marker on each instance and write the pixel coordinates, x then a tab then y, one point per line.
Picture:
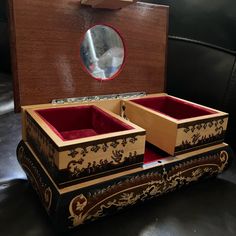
99	98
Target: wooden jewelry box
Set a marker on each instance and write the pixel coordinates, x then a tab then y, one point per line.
102	145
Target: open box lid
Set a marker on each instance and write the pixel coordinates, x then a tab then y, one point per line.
46	38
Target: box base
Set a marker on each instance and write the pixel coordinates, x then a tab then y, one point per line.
73	206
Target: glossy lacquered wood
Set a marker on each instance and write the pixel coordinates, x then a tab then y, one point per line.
45	42
77	204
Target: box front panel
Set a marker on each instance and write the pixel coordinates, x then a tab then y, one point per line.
104	155
196	134
75	206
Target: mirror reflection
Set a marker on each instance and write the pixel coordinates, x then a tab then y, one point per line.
102	52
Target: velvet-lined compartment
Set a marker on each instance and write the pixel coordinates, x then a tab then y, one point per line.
152	154
85	121
79	122
172	107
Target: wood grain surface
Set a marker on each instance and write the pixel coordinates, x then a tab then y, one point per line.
45	43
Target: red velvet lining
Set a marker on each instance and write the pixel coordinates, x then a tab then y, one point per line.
173	107
79	122
153	153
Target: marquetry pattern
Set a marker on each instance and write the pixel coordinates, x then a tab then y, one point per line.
34	176
45	149
80	205
138	188
201	132
116	153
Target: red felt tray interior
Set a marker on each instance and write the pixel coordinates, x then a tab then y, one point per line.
152	153
79	122
84	121
173	107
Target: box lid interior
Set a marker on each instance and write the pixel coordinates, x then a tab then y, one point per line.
46	38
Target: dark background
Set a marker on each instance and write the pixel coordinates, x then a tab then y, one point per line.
5	65
201	54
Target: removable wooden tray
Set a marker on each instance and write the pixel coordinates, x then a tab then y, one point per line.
83	140
176	125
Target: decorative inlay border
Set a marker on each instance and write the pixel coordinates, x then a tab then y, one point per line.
112	154
198	133
43	190
45	149
75	169
90	206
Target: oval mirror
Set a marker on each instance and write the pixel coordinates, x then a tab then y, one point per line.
102	52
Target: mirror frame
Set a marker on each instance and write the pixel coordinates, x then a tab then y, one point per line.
124	58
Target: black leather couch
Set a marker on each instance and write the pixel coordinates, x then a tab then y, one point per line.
5	66
201	57
201	67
